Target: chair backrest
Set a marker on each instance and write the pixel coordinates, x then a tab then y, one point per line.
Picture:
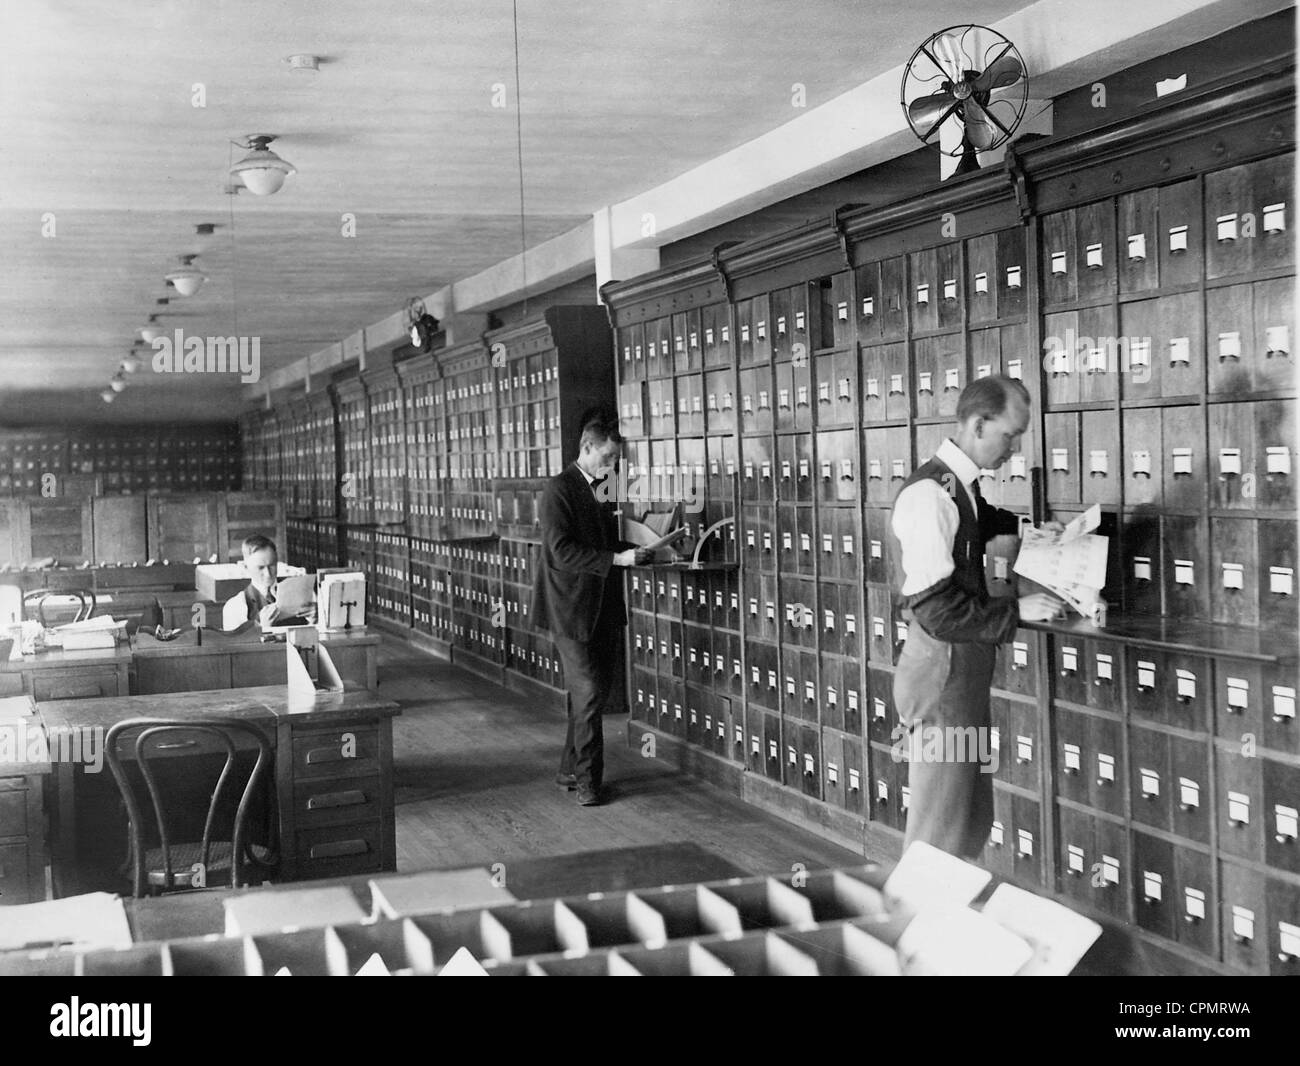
152	742
40	596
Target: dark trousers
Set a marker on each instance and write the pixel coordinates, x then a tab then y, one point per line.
590	673
939	686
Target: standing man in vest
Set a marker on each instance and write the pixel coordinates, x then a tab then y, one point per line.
940	524
578	596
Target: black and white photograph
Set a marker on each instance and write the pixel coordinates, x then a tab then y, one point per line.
660	488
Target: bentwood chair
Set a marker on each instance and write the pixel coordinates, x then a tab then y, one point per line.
136	749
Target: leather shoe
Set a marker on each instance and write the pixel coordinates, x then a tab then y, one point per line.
567	781
588	796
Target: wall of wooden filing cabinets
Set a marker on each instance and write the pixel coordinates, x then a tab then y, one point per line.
126	529
1149	772
106	460
425	473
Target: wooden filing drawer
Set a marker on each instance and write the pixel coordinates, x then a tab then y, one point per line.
74	685
338	850
333	802
347	752
15	884
13	807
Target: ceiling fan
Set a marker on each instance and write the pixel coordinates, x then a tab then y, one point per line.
968	85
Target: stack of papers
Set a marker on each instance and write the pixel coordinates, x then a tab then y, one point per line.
1070	563
95	920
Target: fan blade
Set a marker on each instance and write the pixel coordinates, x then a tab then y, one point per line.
1003	72
948	53
979	130
927	109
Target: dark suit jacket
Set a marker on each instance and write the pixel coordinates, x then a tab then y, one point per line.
577	576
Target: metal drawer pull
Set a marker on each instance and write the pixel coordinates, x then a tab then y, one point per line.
335	848
177	744
320	755
351	798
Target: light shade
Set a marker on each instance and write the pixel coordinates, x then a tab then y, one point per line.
262	171
117	384
187	280
150	334
131	363
108	395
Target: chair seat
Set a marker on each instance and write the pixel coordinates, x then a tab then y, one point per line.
185	858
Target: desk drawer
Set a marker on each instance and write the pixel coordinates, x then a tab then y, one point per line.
339	850
188	743
347	752
15	884
333	802
74	685
13	807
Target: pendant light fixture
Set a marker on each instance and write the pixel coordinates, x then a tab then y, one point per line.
261	171
131	363
151	332
187	280
108	395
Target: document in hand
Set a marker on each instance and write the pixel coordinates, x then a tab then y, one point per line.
1070	563
295	595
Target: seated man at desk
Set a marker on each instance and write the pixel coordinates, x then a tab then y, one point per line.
257	603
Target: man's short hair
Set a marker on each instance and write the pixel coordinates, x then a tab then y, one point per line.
600	431
257	543
987	397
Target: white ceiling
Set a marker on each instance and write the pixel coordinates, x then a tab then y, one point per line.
397	128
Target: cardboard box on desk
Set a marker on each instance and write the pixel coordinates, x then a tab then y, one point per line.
220	581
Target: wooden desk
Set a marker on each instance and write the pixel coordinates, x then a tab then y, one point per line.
56	674
22	810
335	810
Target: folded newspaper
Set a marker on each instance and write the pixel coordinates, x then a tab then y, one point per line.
1070	563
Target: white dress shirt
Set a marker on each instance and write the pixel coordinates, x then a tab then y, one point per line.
925	521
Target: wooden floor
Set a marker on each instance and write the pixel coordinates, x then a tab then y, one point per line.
475	767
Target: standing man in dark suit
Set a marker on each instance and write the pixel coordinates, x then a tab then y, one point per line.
941	686
578	596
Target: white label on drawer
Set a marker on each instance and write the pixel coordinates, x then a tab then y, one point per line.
744	334
1098	461
1180	351
1184	572
898	469
755	745
1146	673
801	396
877	708
749	469
1277	340
1286	820
900	631
923	294
1194	903
1152	886
874	469
868	306
984	370
809	767
882	791
789	686
952	378
832	772
1288	940
846	469
996	834
677	711
1281	580
1000	568
873	387
727	401
725	334
804	467
1019	653
826	469
1274	218
905	796
1283	702
1073	757
1186	683
923	382
1105	767
828	618
1096	361
1015	368
1137	246
842	310
1069	658
981	283
1058	262
1142	567
1061	459
1229	346
1013	277
853	699
1024	843
1238	807
760	329
895	384
1189	793
1139	352
855	779
1025	749
877	548
1178	238
1243	923
950	289
771	610
850	623
1142	463
1104	665
765	471
1278	459
1074	858
1238	692
1150	781
878	628
1110	869
1226	227
1234	576
1017	466
995	739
